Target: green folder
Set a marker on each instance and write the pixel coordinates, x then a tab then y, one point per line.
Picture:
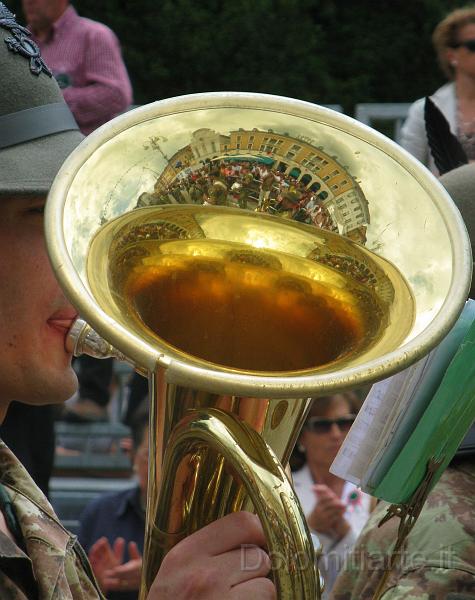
427	382
440	429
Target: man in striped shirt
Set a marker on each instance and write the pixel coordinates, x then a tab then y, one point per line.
85	58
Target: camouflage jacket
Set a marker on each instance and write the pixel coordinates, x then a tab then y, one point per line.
53	557
438	561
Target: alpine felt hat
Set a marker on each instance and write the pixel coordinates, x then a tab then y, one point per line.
37	129
460	183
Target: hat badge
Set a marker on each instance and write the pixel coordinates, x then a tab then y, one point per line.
21	43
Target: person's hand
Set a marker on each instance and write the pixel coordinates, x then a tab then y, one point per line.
109	568
327	515
222	561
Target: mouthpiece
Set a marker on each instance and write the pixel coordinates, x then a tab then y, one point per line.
82	339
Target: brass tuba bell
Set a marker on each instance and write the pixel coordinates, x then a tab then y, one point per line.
248	252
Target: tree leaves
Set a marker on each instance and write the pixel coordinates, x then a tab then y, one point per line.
325	51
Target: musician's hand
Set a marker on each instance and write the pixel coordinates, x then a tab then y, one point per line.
327	515
222	561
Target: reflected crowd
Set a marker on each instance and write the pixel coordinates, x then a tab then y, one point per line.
251	185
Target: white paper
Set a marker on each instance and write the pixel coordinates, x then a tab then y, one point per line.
365	436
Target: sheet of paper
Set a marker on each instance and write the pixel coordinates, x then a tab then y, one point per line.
415	396
364	437
392	410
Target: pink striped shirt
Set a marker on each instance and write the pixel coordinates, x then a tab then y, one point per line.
85	57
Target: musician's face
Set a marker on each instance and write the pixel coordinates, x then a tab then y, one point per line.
34	315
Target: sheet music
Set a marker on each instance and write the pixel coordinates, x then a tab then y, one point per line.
409	382
365	436
421	385
392	410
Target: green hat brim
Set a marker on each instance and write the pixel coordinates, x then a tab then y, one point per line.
31	167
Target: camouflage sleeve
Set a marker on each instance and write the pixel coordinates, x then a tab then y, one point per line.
433	584
420	584
345	585
364	566
438	559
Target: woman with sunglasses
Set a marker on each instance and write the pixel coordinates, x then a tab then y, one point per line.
335	509
454	43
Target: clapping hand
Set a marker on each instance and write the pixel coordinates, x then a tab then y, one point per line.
327	515
112	573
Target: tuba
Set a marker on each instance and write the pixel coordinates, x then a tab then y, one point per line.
246	253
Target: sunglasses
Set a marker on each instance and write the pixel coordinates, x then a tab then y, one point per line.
322	425
468	44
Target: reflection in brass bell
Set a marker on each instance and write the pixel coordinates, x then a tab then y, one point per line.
247	251
313	305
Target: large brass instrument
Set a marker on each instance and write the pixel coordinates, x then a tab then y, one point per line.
248	252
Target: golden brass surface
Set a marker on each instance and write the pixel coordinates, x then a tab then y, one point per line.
220	454
246	251
210	294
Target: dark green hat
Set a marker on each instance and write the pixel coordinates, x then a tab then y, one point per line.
37	129
460	183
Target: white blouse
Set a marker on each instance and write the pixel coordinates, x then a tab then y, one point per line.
357	512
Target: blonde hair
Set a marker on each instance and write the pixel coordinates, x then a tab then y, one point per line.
445	35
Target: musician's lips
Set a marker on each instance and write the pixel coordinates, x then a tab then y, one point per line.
62	323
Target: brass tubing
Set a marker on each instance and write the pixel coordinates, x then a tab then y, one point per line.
256	466
395	244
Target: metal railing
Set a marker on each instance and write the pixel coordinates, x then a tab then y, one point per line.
391	114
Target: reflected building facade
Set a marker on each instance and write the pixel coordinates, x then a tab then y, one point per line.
309	184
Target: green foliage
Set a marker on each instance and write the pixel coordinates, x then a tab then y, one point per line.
326	51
